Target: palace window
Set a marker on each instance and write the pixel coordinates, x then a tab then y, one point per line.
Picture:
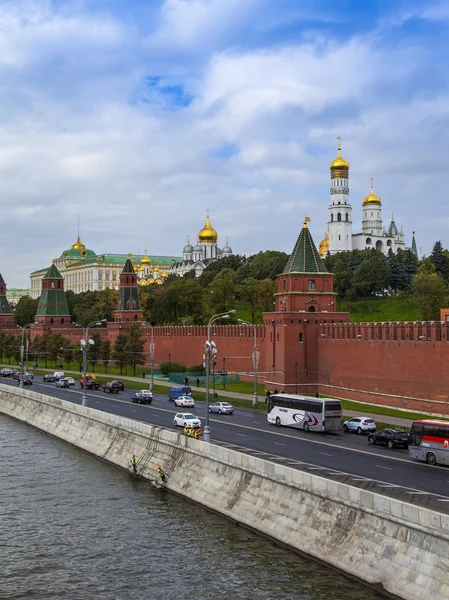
311	284
339	217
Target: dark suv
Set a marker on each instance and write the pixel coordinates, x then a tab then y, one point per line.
49	378
393	438
111	387
26	380
119	383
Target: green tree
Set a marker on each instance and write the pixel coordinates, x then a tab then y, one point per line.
440	261
249	292
68	355
220	294
106	353
397	276
94	352
119	353
429	290
11	345
267	289
134	347
268	264
25	310
2	345
233	262
371	274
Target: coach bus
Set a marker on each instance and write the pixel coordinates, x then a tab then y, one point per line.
429	441
303	412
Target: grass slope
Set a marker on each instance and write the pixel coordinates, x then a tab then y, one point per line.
381	308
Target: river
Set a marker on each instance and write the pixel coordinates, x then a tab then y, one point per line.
73	527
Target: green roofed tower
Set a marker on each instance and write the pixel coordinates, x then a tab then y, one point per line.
305	285
6	314
52	307
128	305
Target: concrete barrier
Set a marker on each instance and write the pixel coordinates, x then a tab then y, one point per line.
385	542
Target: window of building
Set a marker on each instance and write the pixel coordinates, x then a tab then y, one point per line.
368	241
311	284
339	215
347	217
339	237
332	218
300	338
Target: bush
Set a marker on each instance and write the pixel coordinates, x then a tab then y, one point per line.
196	369
166	368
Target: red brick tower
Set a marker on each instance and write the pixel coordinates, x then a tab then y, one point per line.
6	314
128	305
305	299
52	308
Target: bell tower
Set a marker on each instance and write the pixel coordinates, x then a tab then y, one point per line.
339	211
128	305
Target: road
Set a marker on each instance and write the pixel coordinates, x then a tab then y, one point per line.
346	458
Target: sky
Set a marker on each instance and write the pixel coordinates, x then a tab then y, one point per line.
139	116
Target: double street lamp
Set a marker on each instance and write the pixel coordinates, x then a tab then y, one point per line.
210	354
85	344
148	326
255	359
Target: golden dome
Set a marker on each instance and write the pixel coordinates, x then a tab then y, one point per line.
371	198
156	269
324	246
208	233
142	282
141	269
164	275
78	245
150	281
339	166
158	281
145	261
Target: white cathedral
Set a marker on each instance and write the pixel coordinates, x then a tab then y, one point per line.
206	250
339	236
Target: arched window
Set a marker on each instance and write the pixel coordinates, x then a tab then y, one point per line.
379	245
347	217
332	218
311	309
368	241
339	217
300	338
389	243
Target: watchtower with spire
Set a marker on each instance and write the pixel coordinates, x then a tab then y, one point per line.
305	299
52	308
6	314
128	305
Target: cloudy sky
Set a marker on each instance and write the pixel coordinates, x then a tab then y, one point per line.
140	115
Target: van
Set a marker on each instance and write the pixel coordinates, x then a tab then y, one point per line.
58	375
179	390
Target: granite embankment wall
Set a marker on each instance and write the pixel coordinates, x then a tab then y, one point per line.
383	541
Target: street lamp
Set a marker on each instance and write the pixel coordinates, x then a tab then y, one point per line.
151	353
211	351
296	377
22	348
85	343
255	359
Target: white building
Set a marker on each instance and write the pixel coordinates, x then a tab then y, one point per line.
205	251
339	236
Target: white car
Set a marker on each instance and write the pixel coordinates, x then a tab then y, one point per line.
186	401
70	380
182	419
360	424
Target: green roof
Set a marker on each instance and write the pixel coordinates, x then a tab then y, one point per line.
77	253
52	303
53	273
414	248
305	257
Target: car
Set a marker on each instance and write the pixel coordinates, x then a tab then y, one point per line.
186	401
59	374
91	384
6	372
49	378
221	408
25	379
360	425
62	383
119	384
182	419
70	380
143	397
29	374
112	387
393	438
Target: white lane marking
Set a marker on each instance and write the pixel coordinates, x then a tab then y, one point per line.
386	468
392	485
333	473
416	492
241	434
325	454
279	443
441	499
314	468
360	479
256	422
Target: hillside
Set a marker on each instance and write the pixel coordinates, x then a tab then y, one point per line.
381	308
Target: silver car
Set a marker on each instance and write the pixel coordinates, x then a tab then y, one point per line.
222	408
182	419
360	425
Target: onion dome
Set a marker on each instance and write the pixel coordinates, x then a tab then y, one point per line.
150	281
324	246
339	166
145	261
142	282
77	250
219	252
371	198
227	249
208	233
197	247
188	249
156	269
158	281
141	269
164	275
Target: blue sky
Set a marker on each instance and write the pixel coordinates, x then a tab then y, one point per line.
139	116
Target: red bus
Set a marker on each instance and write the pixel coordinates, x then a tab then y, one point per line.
429	441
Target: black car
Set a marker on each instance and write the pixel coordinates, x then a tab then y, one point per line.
119	384
25	379
112	387
49	378
393	438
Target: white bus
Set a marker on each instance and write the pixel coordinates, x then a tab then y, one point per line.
429	441
303	412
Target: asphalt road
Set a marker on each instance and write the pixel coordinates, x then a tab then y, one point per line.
347	458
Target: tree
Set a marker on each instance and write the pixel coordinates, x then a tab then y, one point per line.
220	294
233	262
68	355
397	276
11	346
371	274
120	354
25	310
267	289
2	345
134	347
249	292
170	367
94	350
440	261
268	264
106	353
429	290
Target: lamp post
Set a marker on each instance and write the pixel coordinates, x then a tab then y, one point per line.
255	359
296	377
211	351
169	362
149	326
22	349
85	343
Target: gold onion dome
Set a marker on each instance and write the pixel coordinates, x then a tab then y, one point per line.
208	233
324	246
78	245
339	166
145	260
371	198
164	275
142	282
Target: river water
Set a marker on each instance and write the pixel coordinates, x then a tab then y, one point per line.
73	527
